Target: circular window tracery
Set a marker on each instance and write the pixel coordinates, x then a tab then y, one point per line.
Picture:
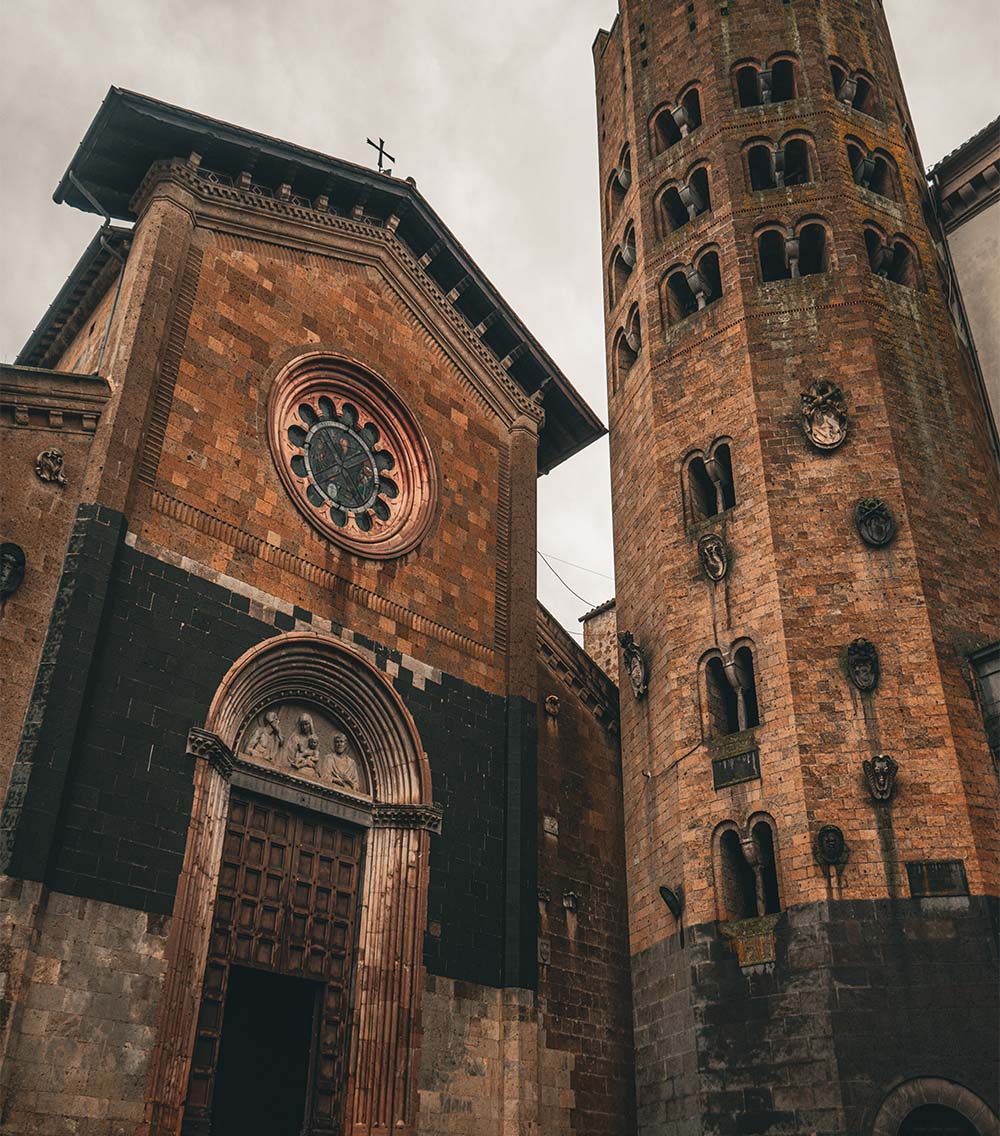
351	456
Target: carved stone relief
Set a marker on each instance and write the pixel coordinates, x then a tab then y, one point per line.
874	520
635	663
830	849
49	466
299	738
880	773
714	556
12	563
824	415
862	664
552	705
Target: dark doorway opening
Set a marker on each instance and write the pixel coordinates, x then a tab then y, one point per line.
264	1055
937	1120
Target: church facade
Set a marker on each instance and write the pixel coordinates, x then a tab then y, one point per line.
316	822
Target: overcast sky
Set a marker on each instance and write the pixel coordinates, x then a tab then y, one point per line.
489	104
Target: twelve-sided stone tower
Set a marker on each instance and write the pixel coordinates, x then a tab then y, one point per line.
806	534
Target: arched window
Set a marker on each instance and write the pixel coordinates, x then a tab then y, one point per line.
675	215
710	277
798	167
614	197
897	262
698	198
774	263
710	483
814	250
884	179
622	262
839	76
865	96
681	301
760	161
748	86
722	702
782	81
738	884
769	899
626	351
739	672
691	104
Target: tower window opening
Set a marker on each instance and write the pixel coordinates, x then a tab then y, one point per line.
774	263
748	86
738	883
674	212
797	164
865	97
883	180
709	276
615	197
710	483
838	80
620	271
723	703
691	103
769	900
681	300
783	81
814	251
626	353
904	267
760	161
698	198
666	132
739	672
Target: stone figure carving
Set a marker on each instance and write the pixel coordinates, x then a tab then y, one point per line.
49	466
880	773
824	415
552	705
303	746
830	849
874	521
714	556
266	741
299	738
12	563
635	663
862	664
342	769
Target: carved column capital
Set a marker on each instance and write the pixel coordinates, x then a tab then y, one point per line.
426	817
206	746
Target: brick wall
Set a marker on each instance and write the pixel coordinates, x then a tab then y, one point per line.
600	638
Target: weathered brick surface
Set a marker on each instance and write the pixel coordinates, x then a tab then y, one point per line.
801	585
600	638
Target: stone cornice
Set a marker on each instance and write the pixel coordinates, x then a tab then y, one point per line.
291	222
206	746
421	817
577	669
51	400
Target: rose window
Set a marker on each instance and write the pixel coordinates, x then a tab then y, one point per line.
350	454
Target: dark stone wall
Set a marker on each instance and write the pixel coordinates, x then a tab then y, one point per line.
862	995
101	801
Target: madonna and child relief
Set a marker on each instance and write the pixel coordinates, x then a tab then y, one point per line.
299	739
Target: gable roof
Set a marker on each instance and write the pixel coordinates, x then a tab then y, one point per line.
131	131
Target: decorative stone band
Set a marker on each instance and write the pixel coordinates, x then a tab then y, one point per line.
421	817
206	746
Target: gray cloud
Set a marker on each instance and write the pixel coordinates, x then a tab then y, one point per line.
490	106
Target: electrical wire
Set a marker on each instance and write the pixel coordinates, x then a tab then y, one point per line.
562	581
569	563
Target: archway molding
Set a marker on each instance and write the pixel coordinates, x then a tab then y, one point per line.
381	1092
910	1095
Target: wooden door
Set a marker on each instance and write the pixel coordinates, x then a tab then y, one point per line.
286	902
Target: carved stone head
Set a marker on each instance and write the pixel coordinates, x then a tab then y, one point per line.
880	773
339	743
552	706
12	562
874	520
830	848
714	556
862	664
824	415
635	663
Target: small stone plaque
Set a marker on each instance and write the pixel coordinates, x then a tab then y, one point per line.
936	877
735	769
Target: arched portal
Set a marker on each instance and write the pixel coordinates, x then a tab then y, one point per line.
934	1106
310	764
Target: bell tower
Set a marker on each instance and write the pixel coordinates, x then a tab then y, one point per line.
806	533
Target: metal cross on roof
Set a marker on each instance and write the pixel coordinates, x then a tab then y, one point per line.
382	154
